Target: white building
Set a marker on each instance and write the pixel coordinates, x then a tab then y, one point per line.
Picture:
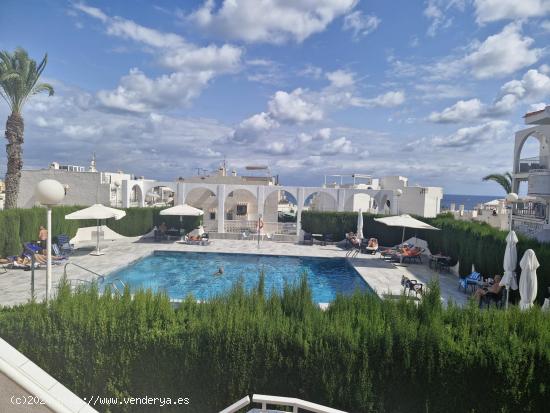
530	216
83	185
415	200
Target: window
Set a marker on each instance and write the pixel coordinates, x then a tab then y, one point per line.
242	209
212	216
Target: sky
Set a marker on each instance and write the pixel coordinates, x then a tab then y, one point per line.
433	90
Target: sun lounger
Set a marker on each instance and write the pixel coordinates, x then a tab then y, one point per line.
469	281
411	286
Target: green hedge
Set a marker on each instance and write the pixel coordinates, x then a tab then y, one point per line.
22	225
470	242
361	355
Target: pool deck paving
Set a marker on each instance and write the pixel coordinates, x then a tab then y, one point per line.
383	277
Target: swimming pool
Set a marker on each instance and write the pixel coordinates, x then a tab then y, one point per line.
184	273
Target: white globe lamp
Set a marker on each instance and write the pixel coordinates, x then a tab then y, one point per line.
512	197
49	192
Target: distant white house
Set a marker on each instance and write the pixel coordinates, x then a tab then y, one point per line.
234	203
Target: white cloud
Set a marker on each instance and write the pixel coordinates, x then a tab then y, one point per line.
472	136
385	100
533	86
322	134
292	107
193	66
502	53
91	11
493	10
277	148
437	12
341	78
139	93
254	126
359	24
461	111
338	146
272	21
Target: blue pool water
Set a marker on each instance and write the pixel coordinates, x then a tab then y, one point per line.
184	273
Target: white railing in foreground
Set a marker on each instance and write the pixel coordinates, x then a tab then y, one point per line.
291	402
245	401
280	401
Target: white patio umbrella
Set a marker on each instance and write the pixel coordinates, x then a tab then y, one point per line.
97	212
405	221
528	280
360	225
182	210
510	263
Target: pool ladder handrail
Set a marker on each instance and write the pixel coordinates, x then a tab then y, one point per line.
113	284
100	278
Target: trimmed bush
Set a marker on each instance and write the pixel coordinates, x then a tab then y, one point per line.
361	355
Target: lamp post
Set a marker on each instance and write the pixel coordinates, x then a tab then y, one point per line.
49	192
511	198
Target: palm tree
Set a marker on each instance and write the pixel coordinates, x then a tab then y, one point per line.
19	76
504	180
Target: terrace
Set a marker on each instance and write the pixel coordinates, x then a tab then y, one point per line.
381	276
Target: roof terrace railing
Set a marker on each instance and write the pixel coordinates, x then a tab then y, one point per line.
291	402
527	164
265	401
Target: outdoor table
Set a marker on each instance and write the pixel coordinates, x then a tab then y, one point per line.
437	260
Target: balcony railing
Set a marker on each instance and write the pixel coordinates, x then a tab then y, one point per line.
531	210
240	226
528	164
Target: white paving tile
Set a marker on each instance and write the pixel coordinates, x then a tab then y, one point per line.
383	277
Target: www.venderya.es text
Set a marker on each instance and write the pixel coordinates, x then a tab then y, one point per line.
137	401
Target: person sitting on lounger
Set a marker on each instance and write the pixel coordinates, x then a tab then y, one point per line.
493	289
219	272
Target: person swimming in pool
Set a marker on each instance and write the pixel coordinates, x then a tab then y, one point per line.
219	272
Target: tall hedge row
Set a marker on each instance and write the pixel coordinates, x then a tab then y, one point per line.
465	241
361	355
22	225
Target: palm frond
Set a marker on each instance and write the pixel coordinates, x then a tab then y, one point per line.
43	87
504	180
19	77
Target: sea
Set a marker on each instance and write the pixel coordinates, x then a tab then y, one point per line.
469	201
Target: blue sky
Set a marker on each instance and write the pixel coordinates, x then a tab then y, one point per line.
433	90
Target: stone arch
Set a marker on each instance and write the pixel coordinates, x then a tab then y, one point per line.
543	149
240	204
136	196
320	200
274	200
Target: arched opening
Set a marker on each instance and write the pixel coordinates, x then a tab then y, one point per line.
241	211
136	196
207	201
280	210
529	159
320	201
160	196
385	206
